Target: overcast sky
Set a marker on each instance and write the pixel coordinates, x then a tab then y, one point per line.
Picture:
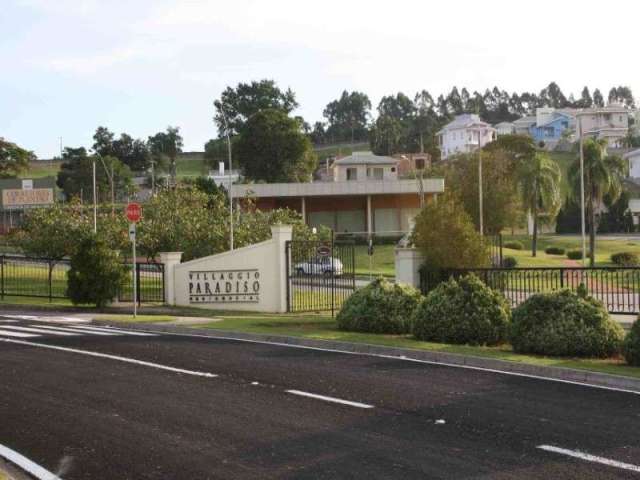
68	66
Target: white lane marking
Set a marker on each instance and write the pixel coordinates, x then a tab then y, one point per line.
395	357
112	330
7	321
40	330
7	333
111	357
67	329
329	399
27	465
590	458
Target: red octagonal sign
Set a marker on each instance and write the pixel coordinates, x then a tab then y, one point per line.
134	212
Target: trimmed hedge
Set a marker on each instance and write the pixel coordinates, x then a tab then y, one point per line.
380	307
509	262
564	324
554	251
464	312
574	254
631	345
625	259
514	245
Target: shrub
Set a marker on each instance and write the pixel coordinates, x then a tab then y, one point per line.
631	345
380	307
95	274
465	312
555	251
509	262
574	254
514	245
445	235
564	324
626	259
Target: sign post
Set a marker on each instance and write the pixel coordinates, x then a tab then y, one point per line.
134	212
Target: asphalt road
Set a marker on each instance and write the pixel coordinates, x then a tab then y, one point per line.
202	408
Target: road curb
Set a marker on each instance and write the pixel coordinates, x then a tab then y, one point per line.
552	373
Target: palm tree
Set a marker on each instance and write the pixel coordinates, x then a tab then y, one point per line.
539	182
603	174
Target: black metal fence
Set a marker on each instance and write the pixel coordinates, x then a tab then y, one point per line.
41	277
320	276
495	249
618	288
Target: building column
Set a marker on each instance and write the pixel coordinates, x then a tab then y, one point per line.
304	210
369	217
170	260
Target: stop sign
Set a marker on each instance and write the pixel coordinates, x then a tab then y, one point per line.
134	212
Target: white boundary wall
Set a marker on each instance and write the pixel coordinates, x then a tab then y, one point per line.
252	278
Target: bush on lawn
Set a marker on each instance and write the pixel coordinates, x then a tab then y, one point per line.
509	262
631	345
554	251
465	311
574	254
380	307
95	274
625	259
514	245
564	323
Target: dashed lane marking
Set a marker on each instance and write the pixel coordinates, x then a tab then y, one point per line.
329	399
590	458
112	330
68	329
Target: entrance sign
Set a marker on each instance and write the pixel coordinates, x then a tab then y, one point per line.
323	251
133	212
224	286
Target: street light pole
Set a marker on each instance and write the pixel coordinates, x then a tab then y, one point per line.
95	203
480	184
226	130
582	219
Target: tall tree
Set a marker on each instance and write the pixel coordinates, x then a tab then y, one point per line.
386	135
623	96
272	148
552	96
348	117
14	160
246	99
75	177
603	175
539	182
598	99
164	148
132	152
585	98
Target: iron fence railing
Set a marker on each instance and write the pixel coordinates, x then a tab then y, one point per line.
320	276
618	288
22	276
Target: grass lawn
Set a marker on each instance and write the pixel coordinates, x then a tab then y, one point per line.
324	328
383	260
42	168
604	249
191	167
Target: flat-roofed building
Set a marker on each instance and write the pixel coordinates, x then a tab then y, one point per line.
364	202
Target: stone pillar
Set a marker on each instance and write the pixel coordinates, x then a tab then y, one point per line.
170	260
281	234
408	262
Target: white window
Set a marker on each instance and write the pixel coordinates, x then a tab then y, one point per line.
352	174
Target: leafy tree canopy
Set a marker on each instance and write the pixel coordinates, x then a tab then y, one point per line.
239	103
132	152
348	117
272	148
14	160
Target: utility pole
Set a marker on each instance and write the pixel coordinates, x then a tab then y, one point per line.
95	200
153	178
226	130
480	184
582	221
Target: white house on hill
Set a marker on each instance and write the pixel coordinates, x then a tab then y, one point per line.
464	135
